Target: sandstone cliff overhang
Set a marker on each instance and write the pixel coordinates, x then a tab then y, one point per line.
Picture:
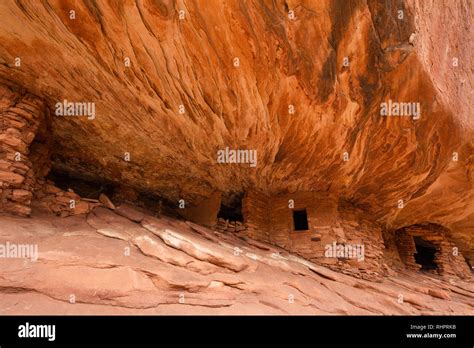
175	82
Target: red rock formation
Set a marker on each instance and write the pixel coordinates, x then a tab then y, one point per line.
108	264
21	116
299	87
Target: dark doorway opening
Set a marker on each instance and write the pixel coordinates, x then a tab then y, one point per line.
425	254
81	185
300	220
231	210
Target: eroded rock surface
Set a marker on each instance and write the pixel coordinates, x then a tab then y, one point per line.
107	264
282	62
175	82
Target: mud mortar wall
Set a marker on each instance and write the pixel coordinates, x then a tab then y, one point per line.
255	209
448	258
20	117
270	219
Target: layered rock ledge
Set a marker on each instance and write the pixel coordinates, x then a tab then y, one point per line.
105	263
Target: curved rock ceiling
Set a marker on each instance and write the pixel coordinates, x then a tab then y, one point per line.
237	67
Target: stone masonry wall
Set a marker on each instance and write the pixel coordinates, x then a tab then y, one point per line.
204	213
20	117
407	250
25	145
321	211
448	258
355	228
228	226
270	219
255	209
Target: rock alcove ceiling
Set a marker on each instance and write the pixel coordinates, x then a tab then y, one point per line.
174	82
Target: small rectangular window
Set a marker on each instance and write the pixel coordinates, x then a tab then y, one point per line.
300	220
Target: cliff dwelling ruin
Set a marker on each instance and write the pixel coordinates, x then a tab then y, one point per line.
117	129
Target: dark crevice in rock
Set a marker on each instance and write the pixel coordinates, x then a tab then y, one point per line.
84	187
